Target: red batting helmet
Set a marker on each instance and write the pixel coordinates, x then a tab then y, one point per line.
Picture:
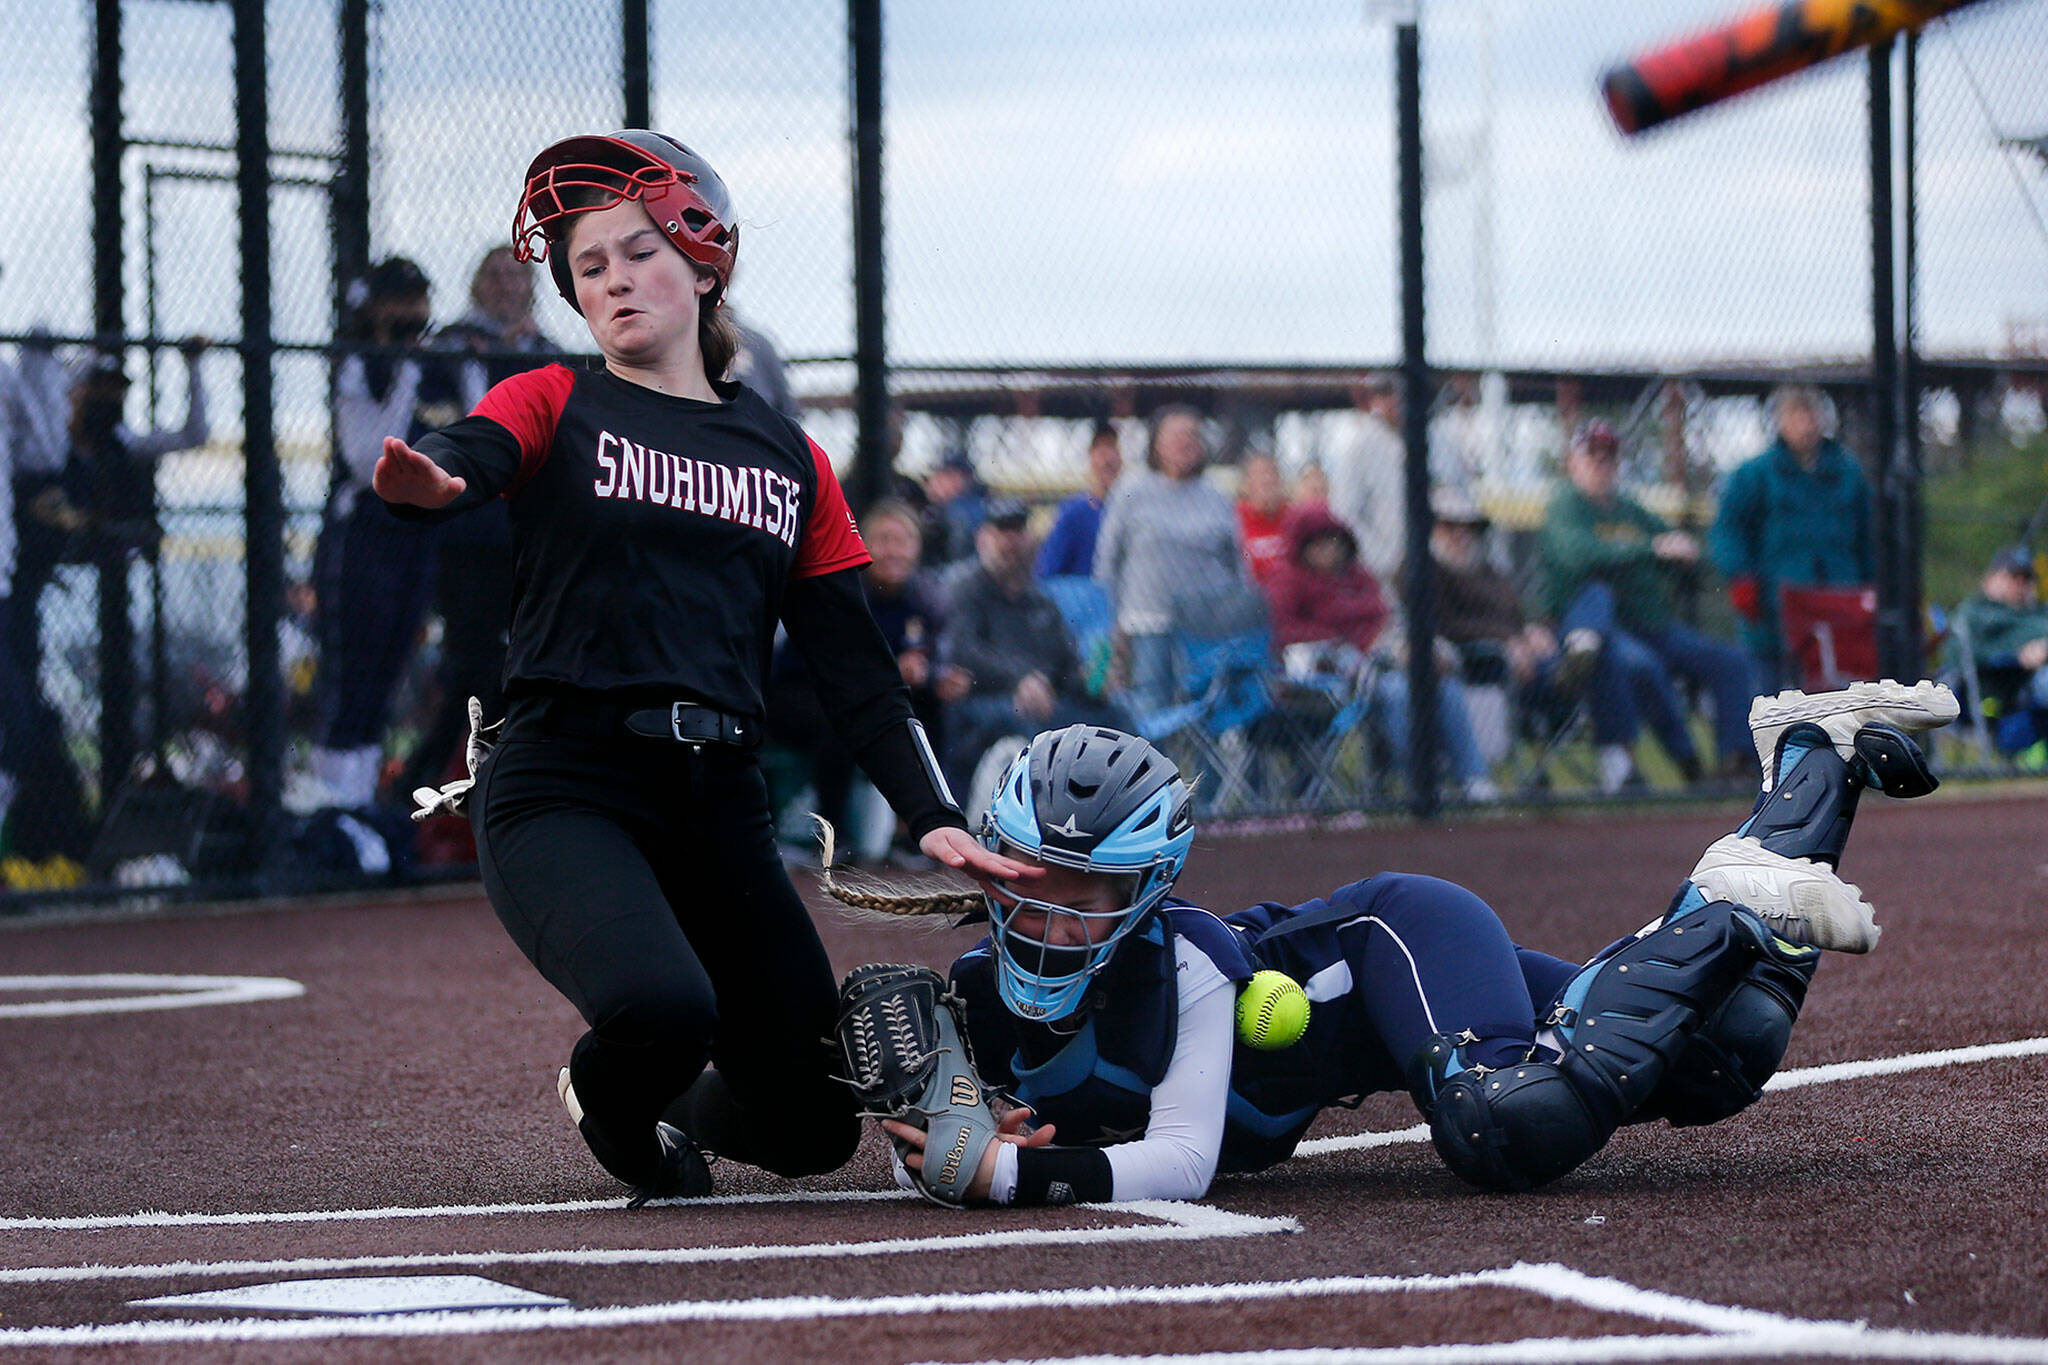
681	192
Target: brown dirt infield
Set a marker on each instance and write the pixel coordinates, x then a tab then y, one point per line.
416	1071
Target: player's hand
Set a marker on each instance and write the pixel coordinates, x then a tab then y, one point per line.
958	849
2034	653
1009	1128
403	475
1675	545
1746	597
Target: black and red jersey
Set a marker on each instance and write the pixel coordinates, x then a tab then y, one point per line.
652	535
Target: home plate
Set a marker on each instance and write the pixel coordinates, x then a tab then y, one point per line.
365	1294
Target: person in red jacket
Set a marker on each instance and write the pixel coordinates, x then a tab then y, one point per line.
1262	515
1330	616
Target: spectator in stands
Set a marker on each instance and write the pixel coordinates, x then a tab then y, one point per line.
1261	516
2006	627
1610	562
374	574
107	508
1022	672
473	567
1368	476
1478	607
1169	558
1799	514
1503	654
35	425
499	326
905	605
1331	617
1311	487
954	506
1069	547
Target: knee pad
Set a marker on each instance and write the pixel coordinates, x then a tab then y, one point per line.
1620	1024
1808	811
1515	1127
1740	1044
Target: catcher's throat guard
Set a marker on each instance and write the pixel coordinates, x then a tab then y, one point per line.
900	1034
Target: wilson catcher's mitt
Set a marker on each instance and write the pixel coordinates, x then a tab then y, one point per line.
906	1057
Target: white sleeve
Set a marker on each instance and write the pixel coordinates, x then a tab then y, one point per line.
1176	1159
1177	1156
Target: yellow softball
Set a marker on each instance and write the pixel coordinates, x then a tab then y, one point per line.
1272	1011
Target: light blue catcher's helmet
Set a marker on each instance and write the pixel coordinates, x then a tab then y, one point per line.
1099	801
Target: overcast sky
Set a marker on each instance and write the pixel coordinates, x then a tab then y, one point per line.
1070	182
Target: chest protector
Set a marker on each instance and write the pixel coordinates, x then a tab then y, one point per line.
1095	1082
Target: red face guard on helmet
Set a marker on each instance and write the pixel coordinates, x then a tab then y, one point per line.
680	192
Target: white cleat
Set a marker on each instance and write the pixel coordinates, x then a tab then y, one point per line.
1801	900
1912	707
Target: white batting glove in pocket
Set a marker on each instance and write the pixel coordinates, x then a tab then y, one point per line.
453	798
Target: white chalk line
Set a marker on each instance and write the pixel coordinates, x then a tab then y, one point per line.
173	993
1726	1332
1784	1080
158	1219
1723	1333
1173	1221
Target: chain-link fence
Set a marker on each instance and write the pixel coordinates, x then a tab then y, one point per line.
1093	218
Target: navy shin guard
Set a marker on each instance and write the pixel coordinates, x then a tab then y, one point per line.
1808	811
1617	1028
1739	1045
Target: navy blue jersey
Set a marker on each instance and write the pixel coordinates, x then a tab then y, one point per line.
1096	1082
1387	963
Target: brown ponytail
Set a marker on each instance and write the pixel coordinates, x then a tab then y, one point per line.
883	901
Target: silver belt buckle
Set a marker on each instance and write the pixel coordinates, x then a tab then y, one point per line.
675	725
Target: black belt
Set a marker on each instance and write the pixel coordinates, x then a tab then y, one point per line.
682	722
688	723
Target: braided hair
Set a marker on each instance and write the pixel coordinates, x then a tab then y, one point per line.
882	900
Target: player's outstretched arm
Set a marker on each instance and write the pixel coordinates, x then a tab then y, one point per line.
405	476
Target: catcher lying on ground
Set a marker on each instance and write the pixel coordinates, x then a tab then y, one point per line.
1111	1009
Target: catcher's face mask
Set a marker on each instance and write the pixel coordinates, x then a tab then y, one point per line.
1049	950
1108	815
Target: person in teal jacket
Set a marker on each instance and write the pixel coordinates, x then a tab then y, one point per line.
2006	627
1797	514
1609	563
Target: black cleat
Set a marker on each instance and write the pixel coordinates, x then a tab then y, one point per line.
683	1173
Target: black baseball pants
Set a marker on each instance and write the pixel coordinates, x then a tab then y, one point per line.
642	878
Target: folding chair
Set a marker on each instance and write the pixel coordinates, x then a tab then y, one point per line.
1085	607
1830	633
1225	679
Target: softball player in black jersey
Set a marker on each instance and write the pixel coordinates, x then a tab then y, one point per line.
663	520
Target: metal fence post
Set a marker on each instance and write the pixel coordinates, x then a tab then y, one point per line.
633	64
1423	796
872	453
262	479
